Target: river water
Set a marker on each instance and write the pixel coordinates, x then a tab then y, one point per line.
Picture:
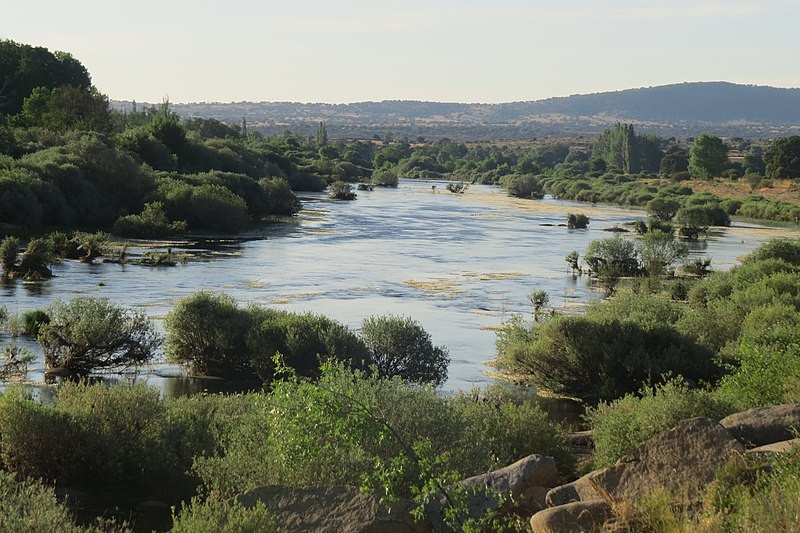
460	264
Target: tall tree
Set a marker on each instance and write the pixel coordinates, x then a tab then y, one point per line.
783	158
707	157
322	134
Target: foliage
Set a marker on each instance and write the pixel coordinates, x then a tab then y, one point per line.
350	426
783	158
522	185
659	251
572	260
538	300
600	357
152	222
9	248
399	346
339	190
613	254
87	334
30	506
707	157
458	188
214	516
623	149
213	336
577	221
384	178
663	208
623	424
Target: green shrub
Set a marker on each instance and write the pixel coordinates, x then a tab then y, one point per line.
579	221
151	223
29	506
384	178
399	346
612	254
349	427
787	250
522	185
207	332
213	336
280	198
620	426
600	358
33	321
9	248
214	516
87	334
339	190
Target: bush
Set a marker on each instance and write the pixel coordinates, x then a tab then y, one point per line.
350	428
384	178
30	506
579	221
620	426
88	334
659	251
522	185
213	516
33	321
600	358
213	336
280	198
612	254
151	223
400	347
339	190
787	250
9	248
207	332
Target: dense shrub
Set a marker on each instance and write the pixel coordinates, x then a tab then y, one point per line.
599	360
399	346
612	254
577	221
152	222
207	332
87	334
339	190
214	516
384	178
280	198
213	336
620	426
350	427
522	185
30	506
787	250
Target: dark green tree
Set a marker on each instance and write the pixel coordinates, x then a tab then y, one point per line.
783	158
707	157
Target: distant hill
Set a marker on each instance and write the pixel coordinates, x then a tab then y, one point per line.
681	110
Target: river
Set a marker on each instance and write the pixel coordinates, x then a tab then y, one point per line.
460	264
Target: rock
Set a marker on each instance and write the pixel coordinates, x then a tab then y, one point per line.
526	481
681	461
775	447
572	517
580	490
764	425
332	509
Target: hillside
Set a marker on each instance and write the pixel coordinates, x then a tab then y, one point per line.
681	110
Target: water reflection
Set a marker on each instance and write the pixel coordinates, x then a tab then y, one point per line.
459	264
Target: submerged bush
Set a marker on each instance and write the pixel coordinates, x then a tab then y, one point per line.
87	334
151	223
213	336
399	346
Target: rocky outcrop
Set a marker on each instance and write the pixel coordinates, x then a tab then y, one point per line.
580	490
681	461
571	517
519	489
332	510
775	447
764	425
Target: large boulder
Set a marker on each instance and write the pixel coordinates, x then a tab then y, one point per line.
764	425
525	482
332	510
783	446
580	490
572	517
681	461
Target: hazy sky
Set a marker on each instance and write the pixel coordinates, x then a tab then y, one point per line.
353	50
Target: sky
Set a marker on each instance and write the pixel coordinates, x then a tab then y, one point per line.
441	50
